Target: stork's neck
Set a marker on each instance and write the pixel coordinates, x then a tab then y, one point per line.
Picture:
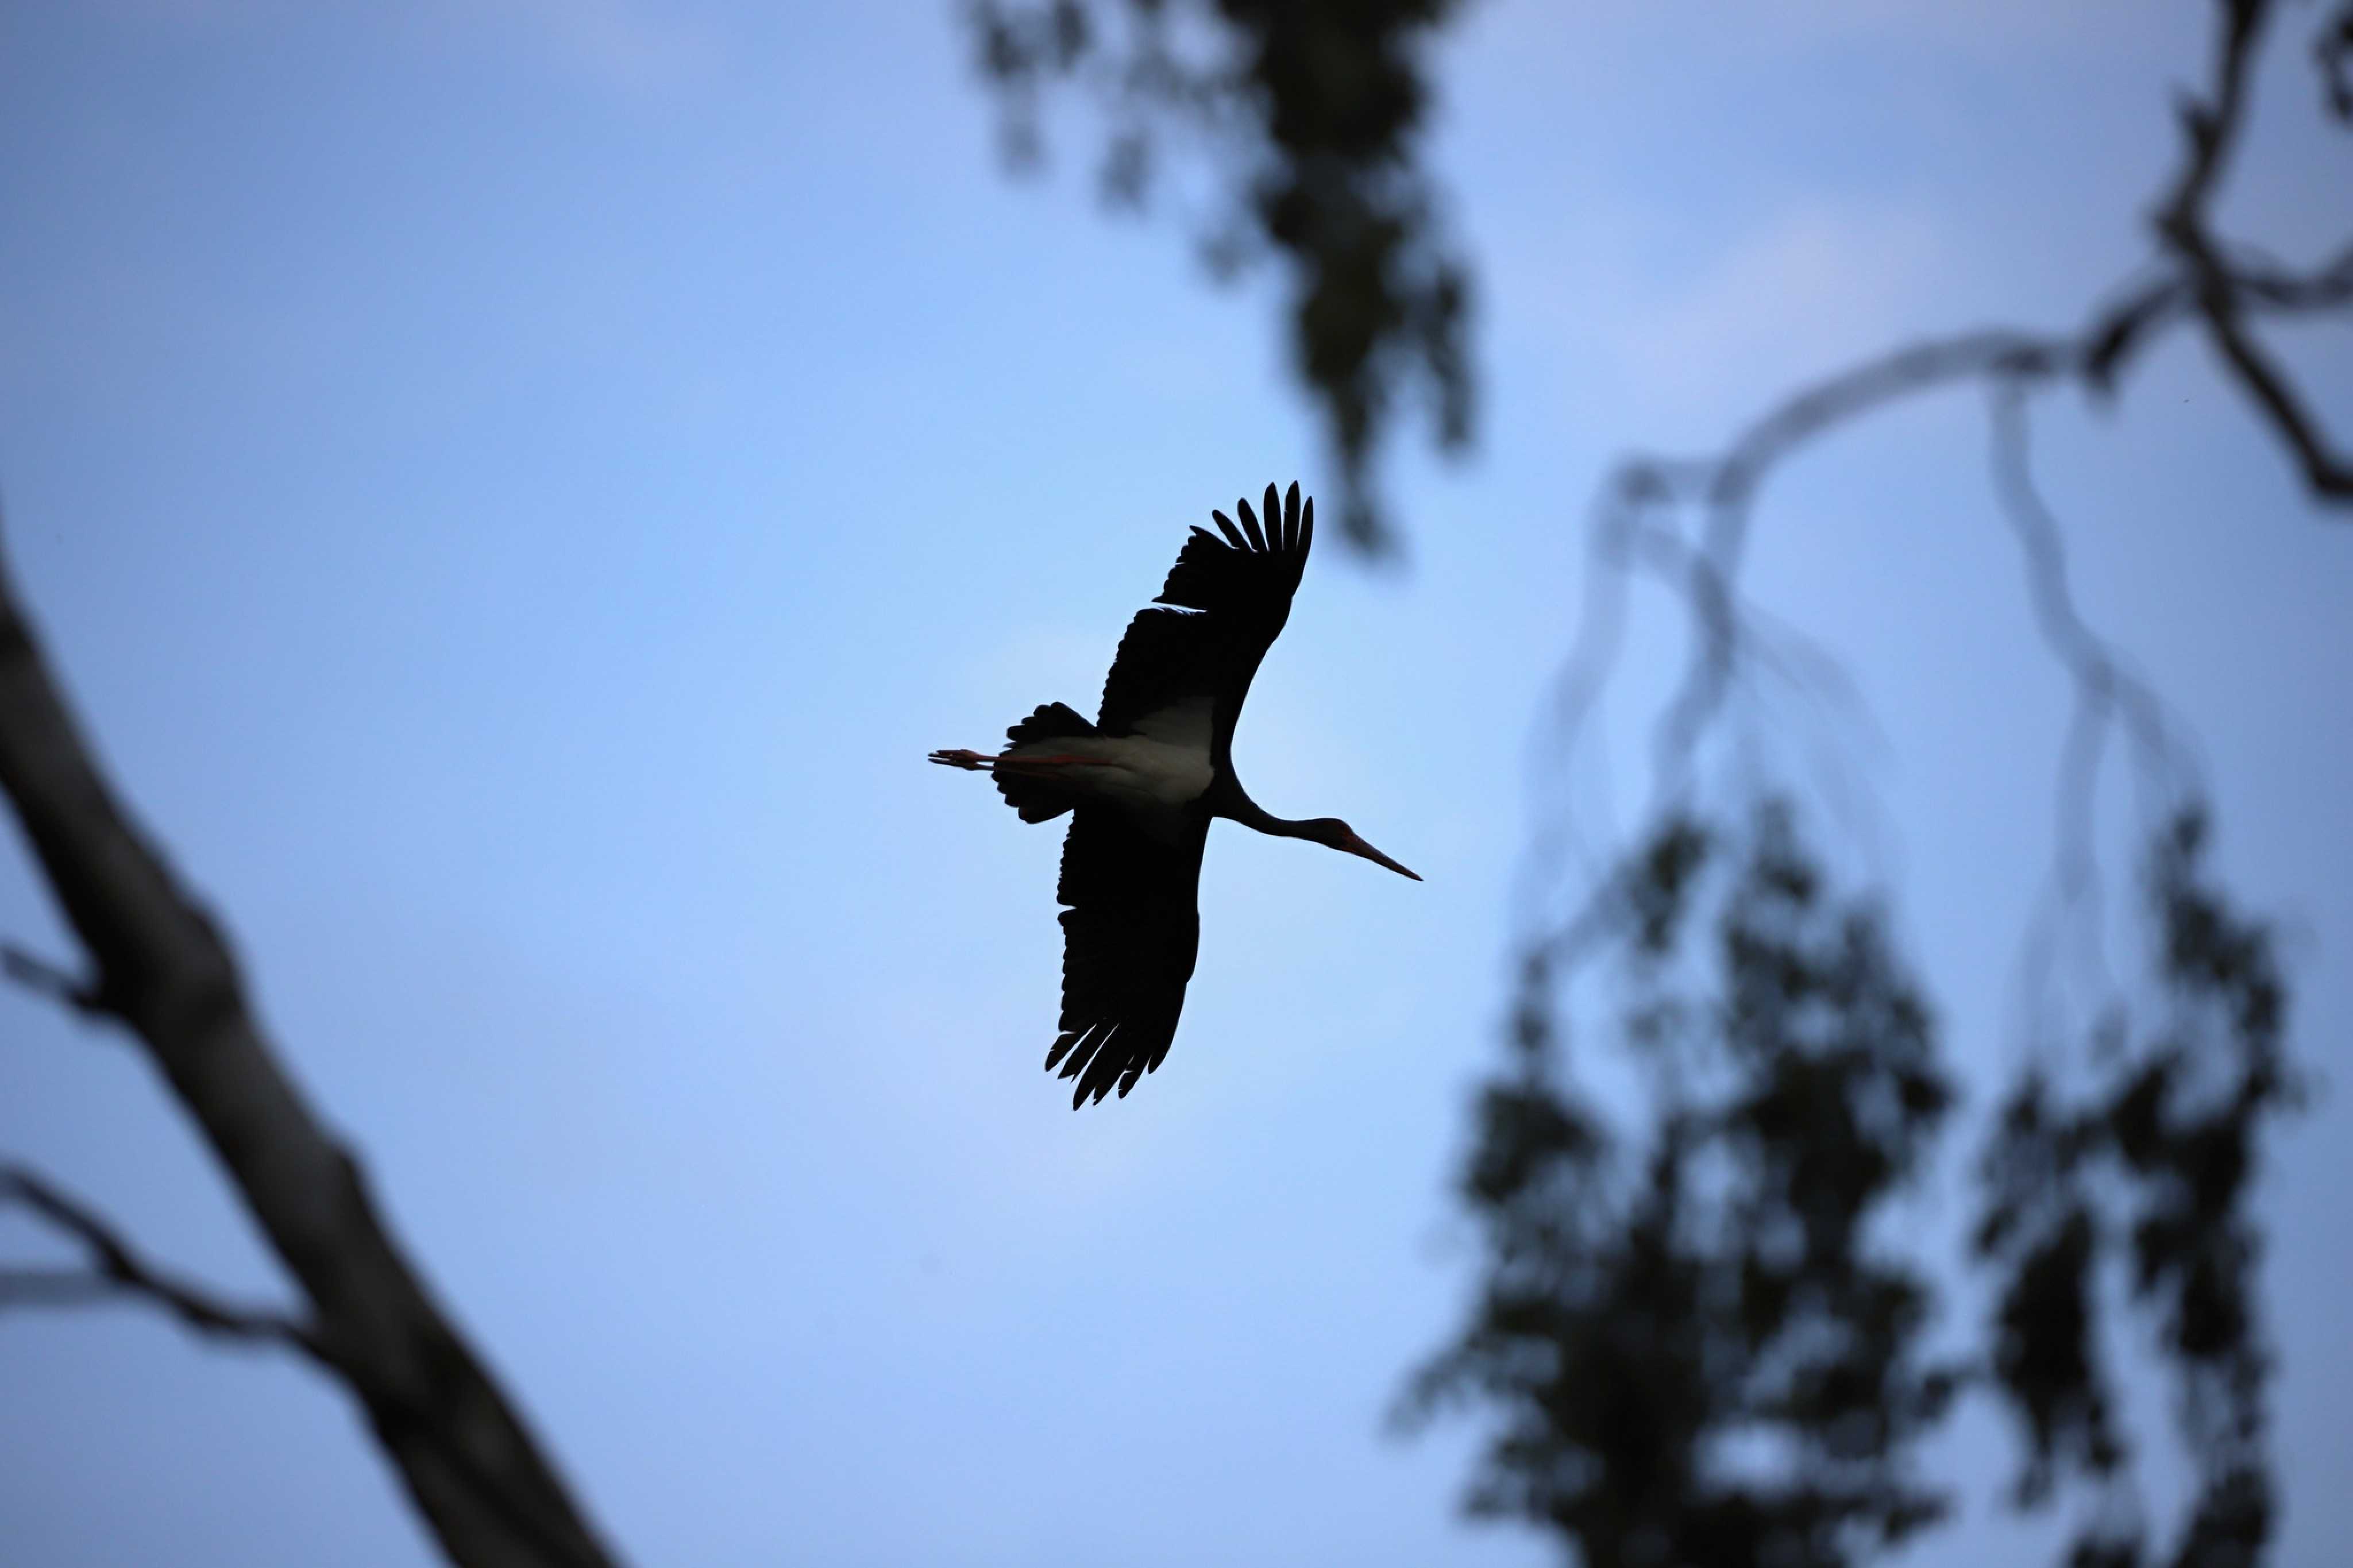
1233	803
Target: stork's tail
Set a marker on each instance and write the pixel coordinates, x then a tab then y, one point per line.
1034	795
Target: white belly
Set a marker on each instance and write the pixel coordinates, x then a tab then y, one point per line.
1154	773
1148	773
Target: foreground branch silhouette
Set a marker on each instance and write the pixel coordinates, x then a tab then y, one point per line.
158	965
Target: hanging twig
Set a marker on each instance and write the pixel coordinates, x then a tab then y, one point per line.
116	1270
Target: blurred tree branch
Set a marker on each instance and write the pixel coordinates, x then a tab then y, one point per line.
159	966
1309	110
116	1270
2213	127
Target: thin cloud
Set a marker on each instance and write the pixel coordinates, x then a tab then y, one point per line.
1811	287
628	45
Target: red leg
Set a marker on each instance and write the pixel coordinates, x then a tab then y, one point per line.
975	761
1055	762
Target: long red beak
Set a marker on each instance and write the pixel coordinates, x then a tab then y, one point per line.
1356	845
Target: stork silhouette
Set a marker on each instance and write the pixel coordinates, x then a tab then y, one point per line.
1143	782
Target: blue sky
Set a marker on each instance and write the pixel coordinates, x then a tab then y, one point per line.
515	489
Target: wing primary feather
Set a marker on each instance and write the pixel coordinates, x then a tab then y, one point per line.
1226	526
1273	509
1291	518
1102	1068
1307	525
1130	930
1249	525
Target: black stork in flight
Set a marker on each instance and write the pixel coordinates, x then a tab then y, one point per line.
1142	780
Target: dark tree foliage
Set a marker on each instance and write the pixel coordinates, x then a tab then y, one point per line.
2151	1160
1697	1351
1308	110
1702	1343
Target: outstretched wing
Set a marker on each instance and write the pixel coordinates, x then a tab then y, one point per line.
1129	940
1232	597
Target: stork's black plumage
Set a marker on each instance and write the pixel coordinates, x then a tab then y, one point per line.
1142	783
1233	596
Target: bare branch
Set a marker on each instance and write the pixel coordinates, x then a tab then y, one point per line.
2325	472
2212	127
469	1464
2105	690
2333	52
40	976
117	1269
2095	664
54	1286
2192	280
118	1272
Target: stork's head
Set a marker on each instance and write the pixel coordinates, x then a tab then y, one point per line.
1337	833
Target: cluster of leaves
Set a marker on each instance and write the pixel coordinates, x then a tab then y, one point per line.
1698	1349
2333	47
1698	1352
1310	109
2151	1162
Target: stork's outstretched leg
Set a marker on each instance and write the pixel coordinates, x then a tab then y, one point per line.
961	757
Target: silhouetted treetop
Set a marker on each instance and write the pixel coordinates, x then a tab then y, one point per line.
1308	111
1693	1350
